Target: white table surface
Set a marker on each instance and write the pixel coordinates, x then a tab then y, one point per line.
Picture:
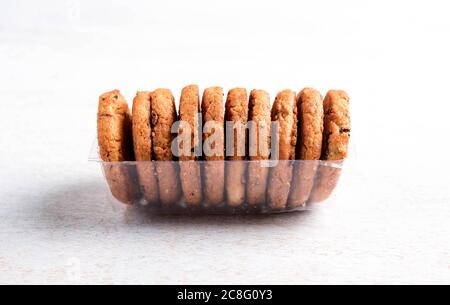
389	221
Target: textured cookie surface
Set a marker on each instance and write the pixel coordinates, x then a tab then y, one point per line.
260	119
143	146
236	117
115	144
213	137
189	169
189	114
309	146
284	112
310	112
259	147
236	113
337	125
114	128
213	116
164	115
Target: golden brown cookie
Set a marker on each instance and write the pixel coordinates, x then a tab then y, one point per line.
284	112
213	146
143	147
189	167
337	126
309	145
335	143
164	115
236	117
259	147
115	143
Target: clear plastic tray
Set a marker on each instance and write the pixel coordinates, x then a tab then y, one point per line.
221	187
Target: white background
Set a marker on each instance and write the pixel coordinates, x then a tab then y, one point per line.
389	222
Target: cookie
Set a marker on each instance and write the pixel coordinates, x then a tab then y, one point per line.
284	112
309	146
213	146
143	147
259	147
236	117
335	143
337	126
115	145
190	171
164	115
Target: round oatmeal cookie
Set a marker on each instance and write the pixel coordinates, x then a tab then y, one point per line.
190	171
115	145
335	144
309	146
236	117
284	112
259	147
143	146
213	146
164	115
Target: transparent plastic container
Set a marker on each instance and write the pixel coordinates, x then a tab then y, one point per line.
220	187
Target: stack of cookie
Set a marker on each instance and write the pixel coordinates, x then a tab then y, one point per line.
238	153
